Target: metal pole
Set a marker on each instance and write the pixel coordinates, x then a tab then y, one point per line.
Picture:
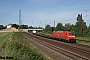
54	24
81	24
19	19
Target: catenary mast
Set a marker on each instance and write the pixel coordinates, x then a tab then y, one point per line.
19	18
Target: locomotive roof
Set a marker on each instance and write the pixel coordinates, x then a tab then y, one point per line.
64	31
58	31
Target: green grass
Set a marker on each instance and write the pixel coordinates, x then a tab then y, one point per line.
83	38
20	49
3	38
46	33
84	43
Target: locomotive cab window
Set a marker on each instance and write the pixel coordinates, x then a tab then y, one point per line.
73	34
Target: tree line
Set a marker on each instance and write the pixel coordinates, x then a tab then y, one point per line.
79	28
19	27
70	27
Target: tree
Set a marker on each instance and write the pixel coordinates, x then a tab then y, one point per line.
80	26
23	26
77	28
48	29
1	27
31	27
69	27
79	19
39	27
59	27
87	32
15	25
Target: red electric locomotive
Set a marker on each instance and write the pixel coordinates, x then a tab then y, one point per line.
65	36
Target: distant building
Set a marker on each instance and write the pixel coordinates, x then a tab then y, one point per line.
9	25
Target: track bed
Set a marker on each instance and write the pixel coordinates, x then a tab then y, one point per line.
72	51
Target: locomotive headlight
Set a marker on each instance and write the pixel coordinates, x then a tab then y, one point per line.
69	36
73	36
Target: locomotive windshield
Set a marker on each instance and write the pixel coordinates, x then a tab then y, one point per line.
71	33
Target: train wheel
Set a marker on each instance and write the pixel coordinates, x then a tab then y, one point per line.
63	40
67	41
59	39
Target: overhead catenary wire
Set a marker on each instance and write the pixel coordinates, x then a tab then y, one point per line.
77	13
73	18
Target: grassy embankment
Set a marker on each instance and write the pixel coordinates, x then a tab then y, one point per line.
82	42
83	38
47	33
3	38
20	49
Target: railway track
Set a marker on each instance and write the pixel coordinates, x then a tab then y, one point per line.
87	43
82	45
76	44
71	50
84	42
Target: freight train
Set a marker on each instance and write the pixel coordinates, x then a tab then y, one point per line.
64	36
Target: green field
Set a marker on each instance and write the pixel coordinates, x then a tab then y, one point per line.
83	38
3	38
17	47
82	42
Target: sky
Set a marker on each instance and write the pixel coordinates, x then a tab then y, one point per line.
39	13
